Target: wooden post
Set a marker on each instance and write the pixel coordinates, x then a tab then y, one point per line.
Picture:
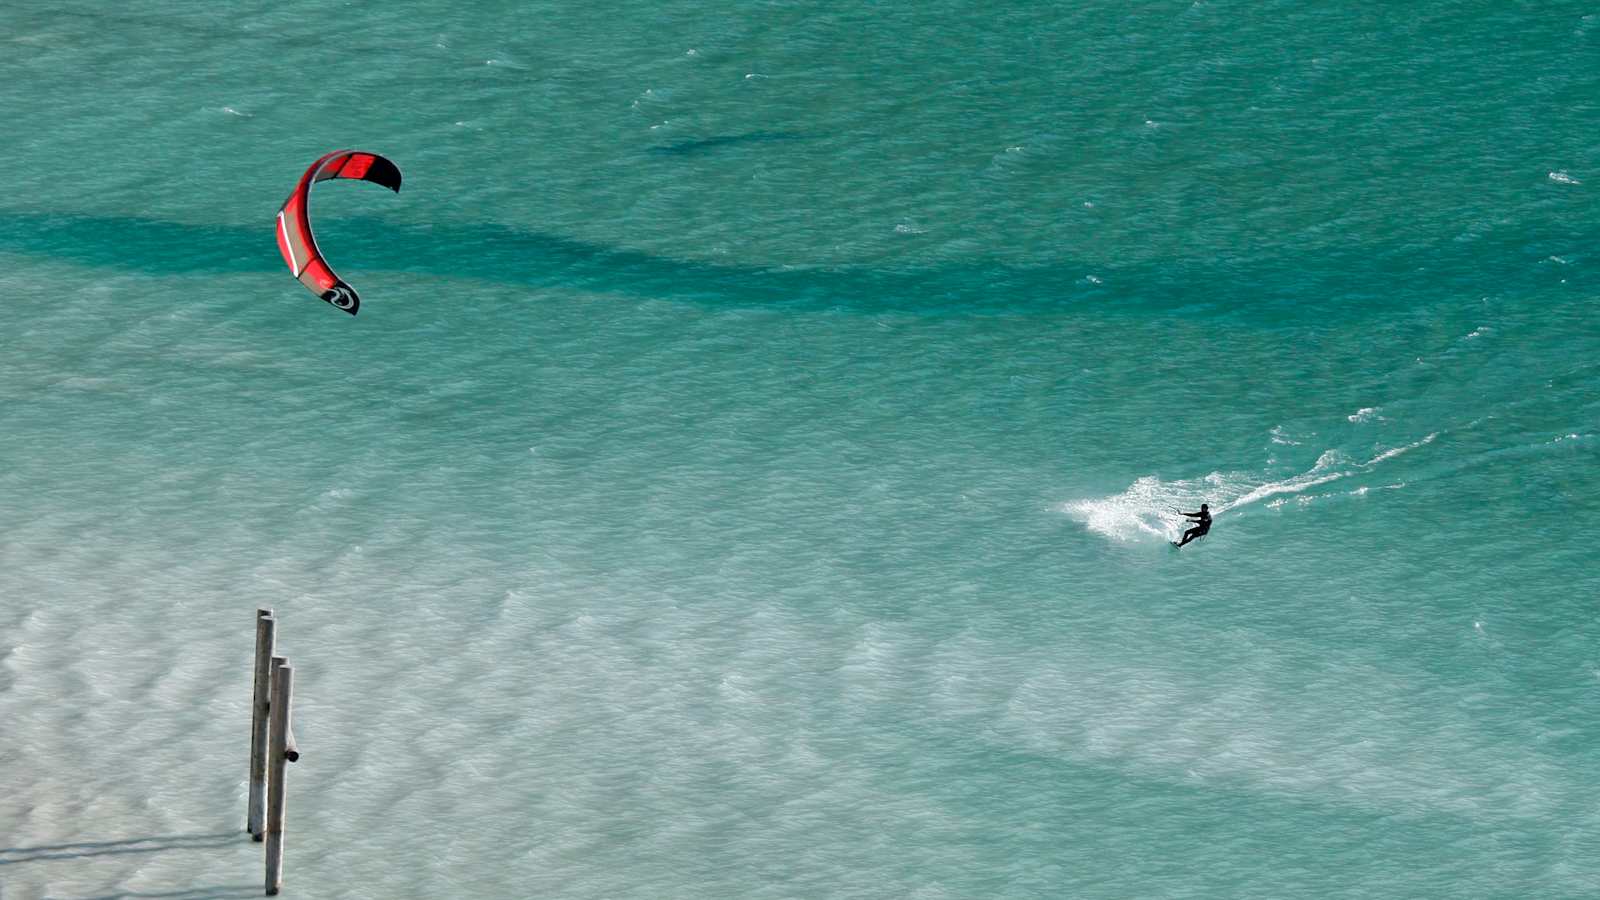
277	762
266	645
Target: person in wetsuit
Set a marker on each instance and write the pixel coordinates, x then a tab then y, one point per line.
1201	526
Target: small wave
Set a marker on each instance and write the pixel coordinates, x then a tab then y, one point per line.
1563	178
1396	451
89	383
1300	500
1365	489
1364	414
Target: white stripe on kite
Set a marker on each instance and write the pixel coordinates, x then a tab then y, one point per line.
283	229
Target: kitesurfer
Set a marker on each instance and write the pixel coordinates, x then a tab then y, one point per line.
1201	526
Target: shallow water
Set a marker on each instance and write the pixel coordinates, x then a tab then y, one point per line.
751	471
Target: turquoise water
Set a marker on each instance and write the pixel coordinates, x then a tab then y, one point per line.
750	472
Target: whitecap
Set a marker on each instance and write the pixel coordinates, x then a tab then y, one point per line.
1563	178
1364	414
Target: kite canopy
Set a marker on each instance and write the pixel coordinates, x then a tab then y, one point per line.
299	248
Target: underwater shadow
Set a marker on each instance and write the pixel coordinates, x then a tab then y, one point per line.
723	141
1292	283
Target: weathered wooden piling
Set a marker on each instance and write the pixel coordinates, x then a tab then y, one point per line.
277	763
266	645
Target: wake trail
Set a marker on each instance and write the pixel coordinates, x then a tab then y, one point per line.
1147	508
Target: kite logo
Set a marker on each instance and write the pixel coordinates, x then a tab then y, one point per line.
340	296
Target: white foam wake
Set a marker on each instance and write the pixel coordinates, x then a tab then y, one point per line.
1149	507
1396	451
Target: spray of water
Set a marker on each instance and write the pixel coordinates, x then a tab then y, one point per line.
1148	509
